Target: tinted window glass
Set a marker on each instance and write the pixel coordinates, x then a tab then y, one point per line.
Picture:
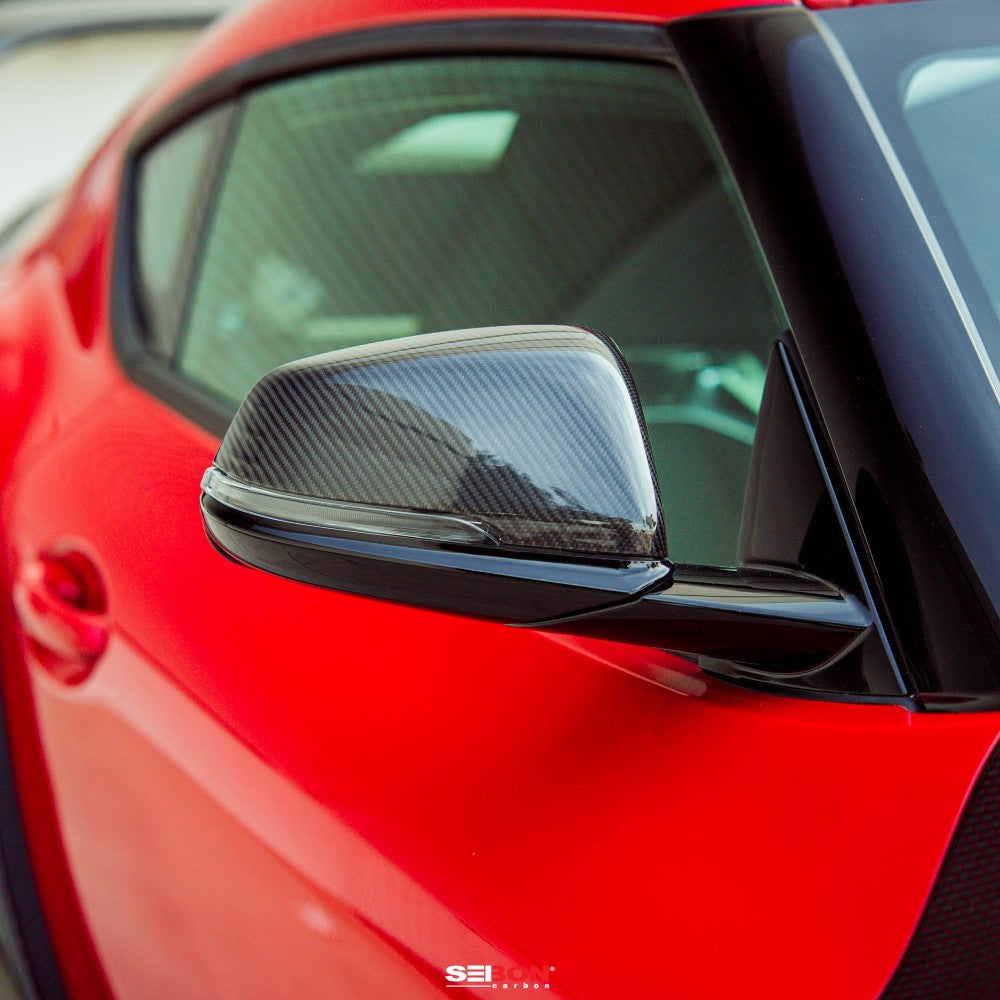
173	189
935	90
951	103
381	201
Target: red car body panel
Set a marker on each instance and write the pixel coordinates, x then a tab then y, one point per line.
264	788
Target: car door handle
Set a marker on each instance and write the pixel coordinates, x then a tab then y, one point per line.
61	604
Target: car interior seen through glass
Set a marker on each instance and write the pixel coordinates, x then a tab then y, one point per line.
367	203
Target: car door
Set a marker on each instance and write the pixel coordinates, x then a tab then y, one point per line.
263	788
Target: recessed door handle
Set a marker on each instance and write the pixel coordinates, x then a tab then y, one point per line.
61	604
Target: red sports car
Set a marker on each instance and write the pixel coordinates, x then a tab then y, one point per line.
504	498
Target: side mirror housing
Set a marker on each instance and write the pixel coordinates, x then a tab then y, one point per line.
504	473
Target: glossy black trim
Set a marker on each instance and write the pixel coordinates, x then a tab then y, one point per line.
503	36
848	260
480	583
793	518
775	686
848	536
790	517
776	623
958	702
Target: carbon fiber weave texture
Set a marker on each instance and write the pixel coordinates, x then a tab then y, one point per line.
533	430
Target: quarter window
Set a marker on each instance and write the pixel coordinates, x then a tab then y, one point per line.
171	196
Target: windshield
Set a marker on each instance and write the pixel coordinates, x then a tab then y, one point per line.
951	104
936	91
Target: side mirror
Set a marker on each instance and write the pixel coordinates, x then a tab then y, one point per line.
500	472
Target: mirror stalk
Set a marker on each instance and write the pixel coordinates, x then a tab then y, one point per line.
775	623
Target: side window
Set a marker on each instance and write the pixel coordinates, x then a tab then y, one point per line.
171	198
365	203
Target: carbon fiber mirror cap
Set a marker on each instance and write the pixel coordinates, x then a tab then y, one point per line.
515	439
